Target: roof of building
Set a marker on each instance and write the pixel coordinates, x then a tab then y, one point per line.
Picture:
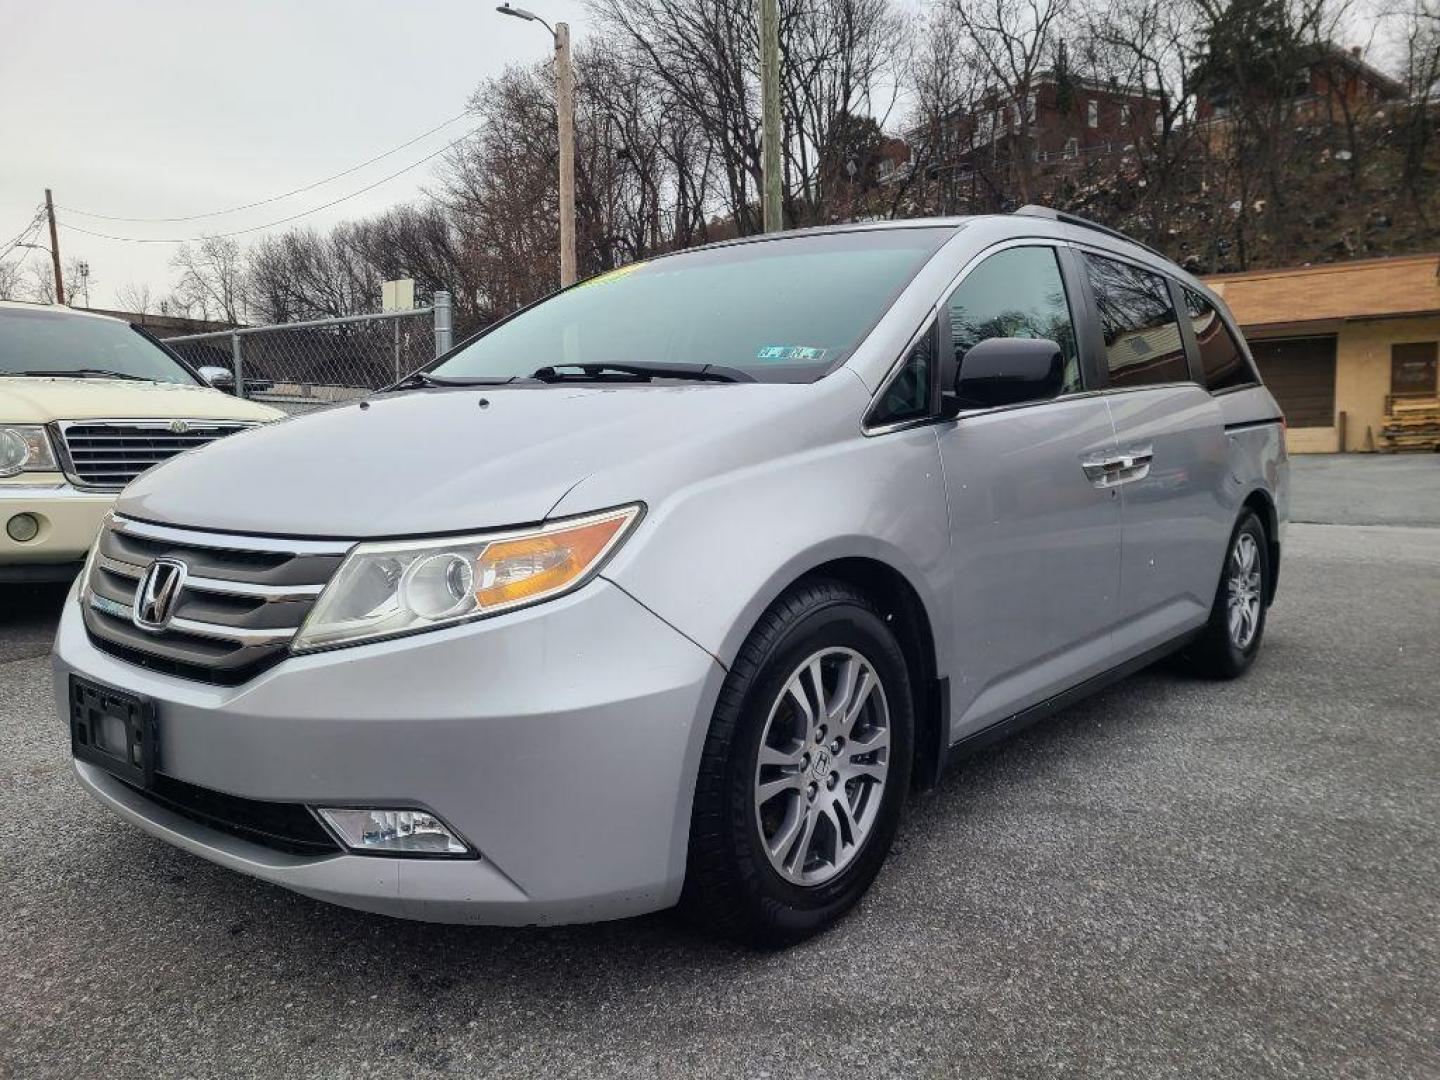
159	324
1354	60
1361	289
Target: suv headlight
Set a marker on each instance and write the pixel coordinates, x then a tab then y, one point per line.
392	588
25	448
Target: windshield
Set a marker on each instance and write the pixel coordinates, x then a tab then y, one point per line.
53	343
779	311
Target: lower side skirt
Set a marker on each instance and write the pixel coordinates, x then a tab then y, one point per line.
1000	729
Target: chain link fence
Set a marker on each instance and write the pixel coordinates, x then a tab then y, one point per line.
303	366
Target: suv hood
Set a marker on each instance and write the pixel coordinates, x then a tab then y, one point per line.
33	399
450	460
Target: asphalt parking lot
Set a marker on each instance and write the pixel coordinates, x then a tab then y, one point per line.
1174	879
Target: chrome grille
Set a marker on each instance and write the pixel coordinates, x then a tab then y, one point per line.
241	601
111	453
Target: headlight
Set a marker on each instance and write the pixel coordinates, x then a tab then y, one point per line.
387	589
25	448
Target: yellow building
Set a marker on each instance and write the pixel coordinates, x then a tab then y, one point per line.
1335	341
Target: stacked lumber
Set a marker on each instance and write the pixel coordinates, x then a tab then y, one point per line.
1411	423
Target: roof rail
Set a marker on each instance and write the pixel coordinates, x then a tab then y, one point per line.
1051	214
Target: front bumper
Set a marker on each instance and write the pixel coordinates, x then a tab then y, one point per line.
560	740
69	521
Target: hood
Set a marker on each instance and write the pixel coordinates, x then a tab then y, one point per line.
449	460
38	400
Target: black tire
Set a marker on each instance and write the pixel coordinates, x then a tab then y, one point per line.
1215	653
730	884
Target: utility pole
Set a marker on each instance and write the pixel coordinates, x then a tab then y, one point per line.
54	248
565	108
565	117
772	138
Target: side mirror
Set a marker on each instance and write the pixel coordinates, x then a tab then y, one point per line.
219	377
1006	371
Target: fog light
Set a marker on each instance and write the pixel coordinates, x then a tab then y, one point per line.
392	832
23	527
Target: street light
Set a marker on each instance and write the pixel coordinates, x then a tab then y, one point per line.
565	112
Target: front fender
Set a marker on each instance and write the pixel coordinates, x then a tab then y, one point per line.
712	556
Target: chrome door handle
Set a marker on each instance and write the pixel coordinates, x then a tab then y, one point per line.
1114	469
1101	471
1135	463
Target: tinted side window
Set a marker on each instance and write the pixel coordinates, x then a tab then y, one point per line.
1220	356
1015	293
1142	335
908	395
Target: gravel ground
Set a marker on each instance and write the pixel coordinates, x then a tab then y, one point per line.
1173	879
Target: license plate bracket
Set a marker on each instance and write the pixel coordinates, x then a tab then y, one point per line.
115	730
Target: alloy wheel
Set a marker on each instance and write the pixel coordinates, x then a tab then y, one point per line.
823	762
1242	588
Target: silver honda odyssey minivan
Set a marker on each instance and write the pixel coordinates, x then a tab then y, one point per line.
669	588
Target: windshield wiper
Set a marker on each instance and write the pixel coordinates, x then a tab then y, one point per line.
85	373
424	378
642	372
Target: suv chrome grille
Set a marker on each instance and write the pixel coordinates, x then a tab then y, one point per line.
111	453
240	602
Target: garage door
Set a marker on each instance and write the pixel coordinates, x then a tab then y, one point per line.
1300	372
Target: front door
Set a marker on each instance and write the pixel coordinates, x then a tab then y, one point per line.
1035	535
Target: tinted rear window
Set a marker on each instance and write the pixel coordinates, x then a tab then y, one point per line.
784	310
1142	335
1221	359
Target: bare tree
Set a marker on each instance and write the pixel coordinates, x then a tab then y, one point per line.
1254	74
1147	46
1015	41
306	274
1420	23
12	280
946	85
836	56
501	190
42	283
701	57
212	279
136	298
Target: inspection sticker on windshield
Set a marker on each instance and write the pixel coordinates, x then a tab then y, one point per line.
790	354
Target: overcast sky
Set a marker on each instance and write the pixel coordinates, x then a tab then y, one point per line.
162	108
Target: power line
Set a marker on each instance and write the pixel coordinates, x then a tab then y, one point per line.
281	221
24	234
272	198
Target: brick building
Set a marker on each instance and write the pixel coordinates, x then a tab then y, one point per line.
1333	81
1061	125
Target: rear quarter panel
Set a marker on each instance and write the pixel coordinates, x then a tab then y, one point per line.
1257	456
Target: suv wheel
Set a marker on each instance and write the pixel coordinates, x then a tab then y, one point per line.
1228	645
804	770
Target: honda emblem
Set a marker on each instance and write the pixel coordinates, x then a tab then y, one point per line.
155	598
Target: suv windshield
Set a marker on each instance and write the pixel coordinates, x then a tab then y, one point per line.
53	343
785	310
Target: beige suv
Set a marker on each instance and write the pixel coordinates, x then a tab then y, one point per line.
87	403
